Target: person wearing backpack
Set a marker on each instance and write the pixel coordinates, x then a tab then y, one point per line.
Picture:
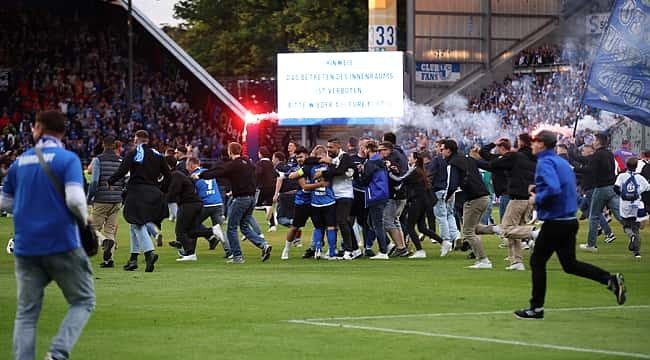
629	186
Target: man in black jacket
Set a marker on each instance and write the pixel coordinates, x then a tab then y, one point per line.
144	202
463	174
519	168
602	169
188	220
241	174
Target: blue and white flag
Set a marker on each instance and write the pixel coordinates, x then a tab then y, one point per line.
619	81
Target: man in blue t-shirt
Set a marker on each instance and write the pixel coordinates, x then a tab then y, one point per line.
208	191
47	243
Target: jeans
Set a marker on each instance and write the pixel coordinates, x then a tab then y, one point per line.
486	219
585	204
444	212
73	274
503	203
560	237
140	239
240	215
601	197
376	222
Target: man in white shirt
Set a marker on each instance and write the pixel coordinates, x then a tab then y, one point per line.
630	185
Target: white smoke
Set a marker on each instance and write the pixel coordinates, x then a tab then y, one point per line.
452	119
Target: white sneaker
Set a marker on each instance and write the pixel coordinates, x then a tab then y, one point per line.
516	266
391	246
297	243
10	246
420	254
498	230
481	264
534	233
347	255
446	248
586	247
525	245
357	253
187	258
273	229
318	254
285	254
380	256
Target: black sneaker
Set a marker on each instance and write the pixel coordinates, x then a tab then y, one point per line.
214	241
403	252
609	238
368	253
530	314
309	253
471	255
131	265
617	286
464	246
151	260
266	252
175	244
107	264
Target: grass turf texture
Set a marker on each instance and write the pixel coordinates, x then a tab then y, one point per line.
209	309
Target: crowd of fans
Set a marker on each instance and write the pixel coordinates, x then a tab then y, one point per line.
80	67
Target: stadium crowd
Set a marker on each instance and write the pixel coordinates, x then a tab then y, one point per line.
82	72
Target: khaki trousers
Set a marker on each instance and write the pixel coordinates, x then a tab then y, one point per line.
472	212
104	222
515	228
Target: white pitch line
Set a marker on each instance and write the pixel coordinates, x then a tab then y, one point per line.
475	338
500	312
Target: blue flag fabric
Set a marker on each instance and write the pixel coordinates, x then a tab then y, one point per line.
619	81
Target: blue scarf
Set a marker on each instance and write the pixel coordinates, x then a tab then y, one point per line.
139	154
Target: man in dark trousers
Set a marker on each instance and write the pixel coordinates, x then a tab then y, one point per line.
145	201
241	174
188	220
106	203
555	197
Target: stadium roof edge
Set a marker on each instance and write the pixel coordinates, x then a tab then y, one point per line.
184	58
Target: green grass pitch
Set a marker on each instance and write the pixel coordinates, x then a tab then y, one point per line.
209	309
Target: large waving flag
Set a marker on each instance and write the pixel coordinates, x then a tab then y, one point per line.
619	80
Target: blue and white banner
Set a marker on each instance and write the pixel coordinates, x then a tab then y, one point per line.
619	81
436	72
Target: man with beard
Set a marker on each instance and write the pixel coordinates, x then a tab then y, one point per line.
145	202
340	173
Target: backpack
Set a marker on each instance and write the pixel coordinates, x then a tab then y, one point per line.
630	189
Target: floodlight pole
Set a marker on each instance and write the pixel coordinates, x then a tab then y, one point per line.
130	85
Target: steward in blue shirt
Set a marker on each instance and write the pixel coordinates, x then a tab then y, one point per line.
554	196
47	244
